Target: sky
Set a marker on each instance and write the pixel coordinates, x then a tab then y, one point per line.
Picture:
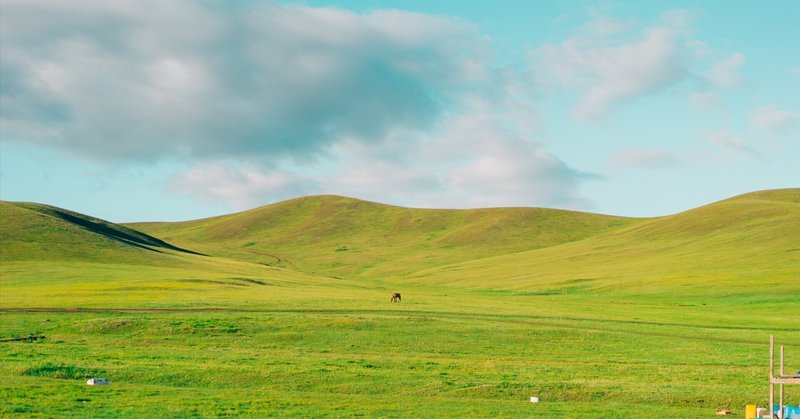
166	111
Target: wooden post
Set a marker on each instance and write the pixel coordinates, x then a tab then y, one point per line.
780	379
771	361
780	389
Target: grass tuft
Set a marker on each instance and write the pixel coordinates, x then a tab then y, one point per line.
63	372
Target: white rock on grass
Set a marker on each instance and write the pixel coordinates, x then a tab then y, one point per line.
97	381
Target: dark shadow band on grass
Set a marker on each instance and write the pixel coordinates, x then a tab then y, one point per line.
115	232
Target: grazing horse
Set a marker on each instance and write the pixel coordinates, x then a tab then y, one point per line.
395	297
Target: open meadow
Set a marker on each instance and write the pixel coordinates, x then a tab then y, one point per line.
285	311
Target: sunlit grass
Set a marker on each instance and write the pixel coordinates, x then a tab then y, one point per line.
667	317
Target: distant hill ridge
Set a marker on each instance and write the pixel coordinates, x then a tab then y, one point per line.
339	236
733	244
779	195
344	236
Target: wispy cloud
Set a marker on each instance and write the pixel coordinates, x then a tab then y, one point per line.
731	142
773	119
242	185
473	161
609	69
726	72
707	101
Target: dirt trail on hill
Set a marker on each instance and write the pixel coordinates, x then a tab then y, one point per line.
605	325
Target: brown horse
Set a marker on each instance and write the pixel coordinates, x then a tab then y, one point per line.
395	297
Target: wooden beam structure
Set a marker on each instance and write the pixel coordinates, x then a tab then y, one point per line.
780	379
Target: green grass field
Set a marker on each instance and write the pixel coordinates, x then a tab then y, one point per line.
284	311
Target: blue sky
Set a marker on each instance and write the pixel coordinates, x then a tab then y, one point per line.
176	110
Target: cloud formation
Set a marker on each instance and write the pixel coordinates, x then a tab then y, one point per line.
122	80
611	67
473	162
725	73
773	119
266	101
731	142
707	101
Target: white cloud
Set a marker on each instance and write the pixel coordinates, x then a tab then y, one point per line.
731	142
268	101
725	73
698	49
647	158
473	161
608	71
138	81
487	165
770	118
706	101
242	185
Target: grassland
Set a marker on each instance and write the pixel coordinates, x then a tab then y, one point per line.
599	316
338	236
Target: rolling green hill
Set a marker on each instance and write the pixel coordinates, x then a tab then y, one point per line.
498	305
51	257
41	232
339	236
751	236
743	245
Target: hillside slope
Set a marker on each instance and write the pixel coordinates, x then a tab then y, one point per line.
50	257
41	232
342	236
739	245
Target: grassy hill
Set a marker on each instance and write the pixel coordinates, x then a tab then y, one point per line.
737	247
52	257
749	236
748	244
498	305
340	236
41	232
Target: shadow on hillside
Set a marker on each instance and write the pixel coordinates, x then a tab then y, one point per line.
115	232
